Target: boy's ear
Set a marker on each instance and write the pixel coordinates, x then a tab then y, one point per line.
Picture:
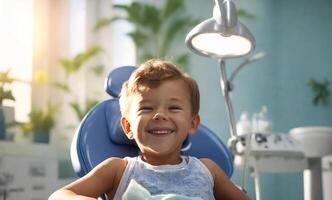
126	128
196	120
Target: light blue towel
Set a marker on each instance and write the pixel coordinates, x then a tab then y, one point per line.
137	192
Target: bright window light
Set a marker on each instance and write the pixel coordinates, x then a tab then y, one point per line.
16	22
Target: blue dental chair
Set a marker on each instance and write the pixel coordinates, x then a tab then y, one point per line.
100	136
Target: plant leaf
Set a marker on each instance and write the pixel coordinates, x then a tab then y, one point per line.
4	77
62	86
182	60
82	111
101	23
89	104
151	18
98	69
148	56
5	94
68	65
142	15
133	11
76	108
245	14
89	53
170	7
177	26
73	65
42	120
138	37
320	90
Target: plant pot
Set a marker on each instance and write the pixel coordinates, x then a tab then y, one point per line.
7	116
41	137
2	125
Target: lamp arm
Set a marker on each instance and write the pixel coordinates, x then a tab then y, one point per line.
254	58
225	86
224	12
238	68
218	3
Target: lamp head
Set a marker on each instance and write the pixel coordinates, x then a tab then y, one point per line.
221	36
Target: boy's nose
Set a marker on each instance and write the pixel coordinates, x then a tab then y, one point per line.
159	116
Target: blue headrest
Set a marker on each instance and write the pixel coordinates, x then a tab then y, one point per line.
113	84
115	79
115	131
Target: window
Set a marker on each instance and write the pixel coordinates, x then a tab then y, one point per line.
16	22
23	20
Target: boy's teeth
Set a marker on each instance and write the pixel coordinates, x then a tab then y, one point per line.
160	132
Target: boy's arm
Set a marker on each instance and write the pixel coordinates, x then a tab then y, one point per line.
103	178
223	186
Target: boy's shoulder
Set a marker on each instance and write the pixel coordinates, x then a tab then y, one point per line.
113	164
212	166
110	169
208	162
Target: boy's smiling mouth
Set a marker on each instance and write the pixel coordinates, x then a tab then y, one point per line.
160	131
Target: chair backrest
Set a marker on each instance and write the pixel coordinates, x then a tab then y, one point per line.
100	136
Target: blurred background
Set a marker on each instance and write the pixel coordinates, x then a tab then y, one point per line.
55	55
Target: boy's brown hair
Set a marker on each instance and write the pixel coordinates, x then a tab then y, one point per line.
150	75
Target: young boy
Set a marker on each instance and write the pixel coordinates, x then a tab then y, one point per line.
159	106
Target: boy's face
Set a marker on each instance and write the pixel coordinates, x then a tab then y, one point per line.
160	119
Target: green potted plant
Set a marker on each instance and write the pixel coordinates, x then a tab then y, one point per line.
5	90
6	113
40	124
81	111
321	92
156	28
71	66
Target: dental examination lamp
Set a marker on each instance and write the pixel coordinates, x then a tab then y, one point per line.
221	37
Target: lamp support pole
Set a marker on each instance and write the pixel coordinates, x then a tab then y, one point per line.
226	88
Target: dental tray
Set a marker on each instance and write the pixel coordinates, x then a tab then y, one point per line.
270	152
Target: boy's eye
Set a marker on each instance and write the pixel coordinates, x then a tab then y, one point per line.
145	109
175	108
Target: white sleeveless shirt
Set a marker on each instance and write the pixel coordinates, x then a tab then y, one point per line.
190	178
